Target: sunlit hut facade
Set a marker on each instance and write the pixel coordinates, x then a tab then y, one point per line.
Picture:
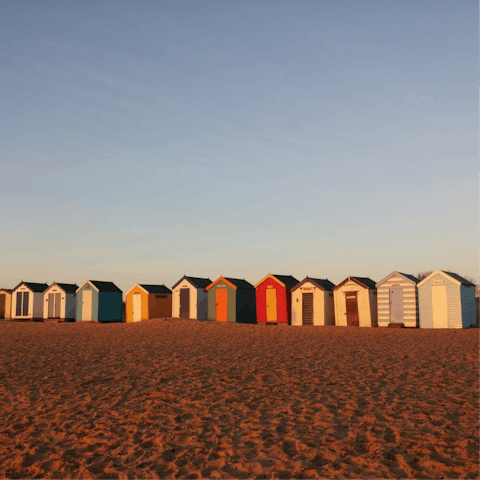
397	300
143	302
231	300
274	299
356	303
446	300
190	298
27	301
99	302
312	302
5	304
59	301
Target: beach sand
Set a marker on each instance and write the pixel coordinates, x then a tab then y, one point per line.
188	399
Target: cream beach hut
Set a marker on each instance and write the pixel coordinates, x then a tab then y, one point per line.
356	303
59	302
397	300
190	298
5	304
27	301
446	300
312	302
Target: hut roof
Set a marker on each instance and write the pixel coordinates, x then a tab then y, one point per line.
240	283
105	286
462	280
286	279
195	281
362	281
68	287
155	288
395	273
34	287
411	277
5	290
321	283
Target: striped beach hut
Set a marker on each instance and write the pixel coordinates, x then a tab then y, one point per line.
27	301
356	302
397	300
446	300
274	298
190	298
5	304
231	300
59	302
312	302
143	302
99	302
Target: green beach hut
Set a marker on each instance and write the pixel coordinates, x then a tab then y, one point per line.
99	302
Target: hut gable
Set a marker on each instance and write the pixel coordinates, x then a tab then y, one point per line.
443	303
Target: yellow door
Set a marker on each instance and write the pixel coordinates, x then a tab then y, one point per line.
87	305
271	305
439	306
137	307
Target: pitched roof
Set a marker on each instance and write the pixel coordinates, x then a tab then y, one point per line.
195	281
155	288
324	284
67	287
411	277
240	283
105	286
286	279
462	280
366	281
34	287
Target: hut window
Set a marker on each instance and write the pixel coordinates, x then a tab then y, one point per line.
160	296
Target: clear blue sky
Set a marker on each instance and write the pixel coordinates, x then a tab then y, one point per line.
141	141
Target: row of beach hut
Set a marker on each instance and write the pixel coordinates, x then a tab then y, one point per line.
441	300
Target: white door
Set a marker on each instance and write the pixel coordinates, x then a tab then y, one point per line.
137	307
87	305
439	306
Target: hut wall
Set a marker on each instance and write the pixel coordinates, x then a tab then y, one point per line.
7	312
63	301
19	290
467	298
193	299
453	302
373	307
261	301
37	305
363	301
246	306
129	304
110	307
202	304
159	305
231	307
70	303
329	308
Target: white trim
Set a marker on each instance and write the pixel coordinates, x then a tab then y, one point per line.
137	285
84	283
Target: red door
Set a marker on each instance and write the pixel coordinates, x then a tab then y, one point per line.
221	306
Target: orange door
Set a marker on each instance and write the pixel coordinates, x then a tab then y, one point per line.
221	311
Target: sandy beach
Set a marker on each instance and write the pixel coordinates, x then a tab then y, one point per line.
188	399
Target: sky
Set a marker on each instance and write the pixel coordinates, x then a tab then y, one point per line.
141	141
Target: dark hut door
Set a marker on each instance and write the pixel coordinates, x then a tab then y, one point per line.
307	308
352	309
396	305
184	303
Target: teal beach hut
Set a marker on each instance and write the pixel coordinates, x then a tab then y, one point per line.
99	302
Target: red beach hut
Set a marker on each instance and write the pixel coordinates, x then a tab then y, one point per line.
274	299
